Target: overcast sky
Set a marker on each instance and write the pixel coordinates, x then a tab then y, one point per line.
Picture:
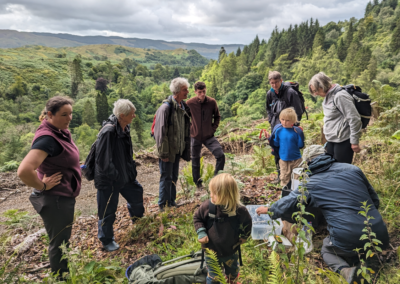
206	21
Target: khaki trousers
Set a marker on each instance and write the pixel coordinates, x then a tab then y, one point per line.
286	170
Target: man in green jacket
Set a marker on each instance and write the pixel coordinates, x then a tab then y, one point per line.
205	120
172	134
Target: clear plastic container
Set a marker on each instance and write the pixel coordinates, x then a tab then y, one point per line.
263	224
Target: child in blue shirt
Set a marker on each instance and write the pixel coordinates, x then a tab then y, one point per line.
290	140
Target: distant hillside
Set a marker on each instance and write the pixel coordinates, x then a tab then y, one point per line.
50	66
102	52
12	39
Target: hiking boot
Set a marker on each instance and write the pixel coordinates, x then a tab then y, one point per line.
161	208
348	273
111	246
173	204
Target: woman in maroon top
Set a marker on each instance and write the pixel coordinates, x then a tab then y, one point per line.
52	169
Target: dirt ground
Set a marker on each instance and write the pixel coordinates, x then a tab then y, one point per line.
15	195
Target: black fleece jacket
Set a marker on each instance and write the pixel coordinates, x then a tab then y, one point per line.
114	156
289	96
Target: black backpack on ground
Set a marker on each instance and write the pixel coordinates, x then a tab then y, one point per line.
295	86
362	103
90	162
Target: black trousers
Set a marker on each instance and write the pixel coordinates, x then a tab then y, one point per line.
341	152
278	168
57	213
215	148
107	204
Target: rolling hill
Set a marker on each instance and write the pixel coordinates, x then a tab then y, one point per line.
13	39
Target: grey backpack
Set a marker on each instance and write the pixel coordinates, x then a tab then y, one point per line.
151	270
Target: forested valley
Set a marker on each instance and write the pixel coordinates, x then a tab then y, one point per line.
364	52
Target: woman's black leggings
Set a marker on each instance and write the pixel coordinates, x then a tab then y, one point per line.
341	152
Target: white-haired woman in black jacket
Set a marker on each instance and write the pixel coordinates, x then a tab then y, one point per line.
115	172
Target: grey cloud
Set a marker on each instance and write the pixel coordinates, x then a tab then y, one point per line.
209	21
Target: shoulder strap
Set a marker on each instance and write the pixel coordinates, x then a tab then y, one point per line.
171	109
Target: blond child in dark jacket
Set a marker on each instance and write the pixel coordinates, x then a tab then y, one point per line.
224	232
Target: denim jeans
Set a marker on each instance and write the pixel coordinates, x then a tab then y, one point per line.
107	203
168	179
229	264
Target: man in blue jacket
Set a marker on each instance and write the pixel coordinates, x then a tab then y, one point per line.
337	190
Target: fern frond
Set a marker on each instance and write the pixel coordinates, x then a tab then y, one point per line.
209	173
213	265
333	277
275	276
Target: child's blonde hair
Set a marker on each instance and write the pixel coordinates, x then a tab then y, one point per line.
225	188
289	114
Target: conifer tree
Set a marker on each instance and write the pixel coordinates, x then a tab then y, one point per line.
341	50
254	47
292	43
349	36
245	50
101	107
273	43
362	58
302	37
319	39
351	55
88	116
395	42
282	46
213	91
368	9
238	52
222	54
76	76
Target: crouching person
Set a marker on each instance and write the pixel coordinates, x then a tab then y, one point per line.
115	172
337	189
223	224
